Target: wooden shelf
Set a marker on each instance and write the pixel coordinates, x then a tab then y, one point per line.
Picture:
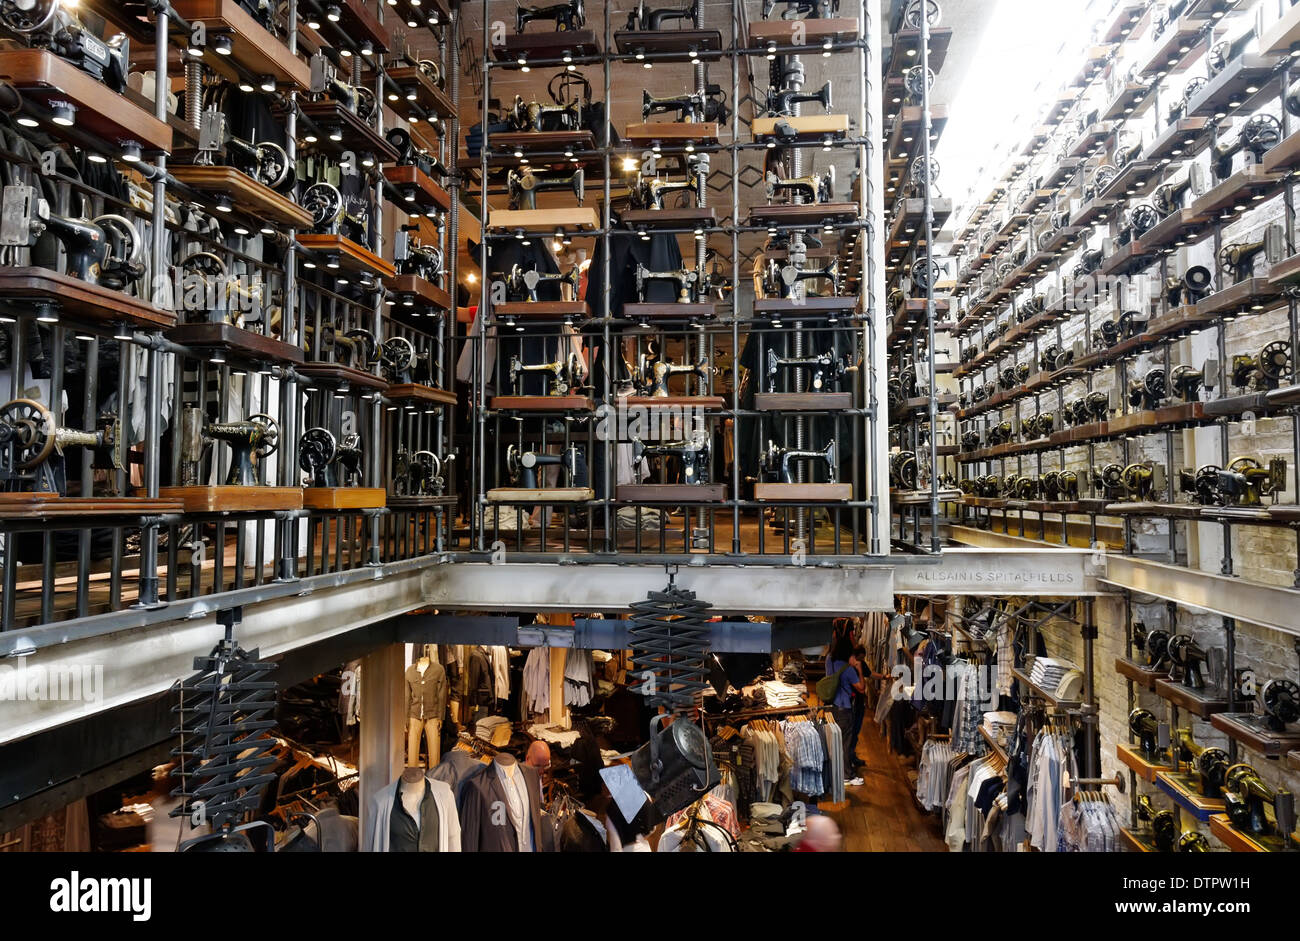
418	503
1253	732
1144	677
252	46
543	310
257	347
1240	842
671	133
1132	758
696	403
802	401
541	403
352	258
78	300
548	495
1237	190
43	77
671	494
1278	38
547	221
676	43
814	31
578	43
415	392
424	293
1179	140
656	312
35	506
223	500
358	136
428	95
1202	703
336	375
807	214
807	309
246	194
344	498
1137	841
807	128
1182	788
428	194
651	219
803	493
1217	97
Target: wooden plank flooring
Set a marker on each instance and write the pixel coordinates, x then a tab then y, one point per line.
882	815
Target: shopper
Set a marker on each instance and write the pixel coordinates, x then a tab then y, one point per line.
852	684
539	759
822	836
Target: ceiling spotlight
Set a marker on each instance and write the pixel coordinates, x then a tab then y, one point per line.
246	86
194	49
224	204
131	151
313	22
336	134
367	48
267	84
332	13
267	230
63	113
241	230
45	313
217	357
408	194
310	138
367	160
96	158
222	45
345	52
332	262
28	122
122	332
629	164
412	95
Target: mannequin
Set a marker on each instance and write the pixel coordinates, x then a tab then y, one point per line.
426	703
414	814
501	810
518	799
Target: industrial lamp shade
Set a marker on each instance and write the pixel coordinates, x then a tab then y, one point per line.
675	768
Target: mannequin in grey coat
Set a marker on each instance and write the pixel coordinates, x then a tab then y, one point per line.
381	811
488	823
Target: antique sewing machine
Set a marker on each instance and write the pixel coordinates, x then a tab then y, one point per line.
251	441
1238	259
524	185
32	444
1038	426
325	83
784	458
1196	284
1000	433
1143	480
686	279
903	470
645	20
522	466
400	362
523	283
329	213
329	462
1246	481
51	24
419	474
1059	485
1054	358
1188	659
1139	220
693	454
812	189
411	155
649	193
534	116
1148	391
565	374
1163	825
1202	485
265	162
1209	764
656	373
356	348
781	102
1090	260
808	9
989	485
970	440
1257	137
916	82
105	250
1170	197
1248	799
822	367
693	107
779	280
1265	371
1110	481
1187	382
566	16
1013	376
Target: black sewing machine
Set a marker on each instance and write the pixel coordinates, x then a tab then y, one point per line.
781	102
808	9
401	364
522	466
1164	827
524	185
329	462
1196	284
904	471
1248	799
821	367
330	215
649	193
105	250
1210	765
266	162
779	280
325	83
655	374
1059	485
1265	371
411	257
1152	735
251	441
52	24
566	16
693	455
32	444
643	19
775	457
686	279
535	116
522	283
356	348
1237	260
1247	481
565	373
692	106
812	188
1257	137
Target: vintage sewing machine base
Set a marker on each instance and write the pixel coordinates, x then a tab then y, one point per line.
671	133
667	41
1182	787
922	497
32	506
425	294
659	312
78	300
246	193
421	502
343	498
671	494
353	258
803	213
547	45
414	392
810	308
1248	293
540	403
253	47
1145	508
802	493
695	402
334	375
1241	842
546	221
1203	702
537	495
1239	187
358	136
1139	673
427	95
764	33
651	219
1251	730
542	311
808	128
42	76
1130	756
428	194
234	340
225	499
1137	841
802	401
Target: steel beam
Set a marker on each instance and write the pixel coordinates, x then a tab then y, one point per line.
995	570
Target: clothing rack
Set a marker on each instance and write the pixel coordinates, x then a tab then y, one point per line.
743	717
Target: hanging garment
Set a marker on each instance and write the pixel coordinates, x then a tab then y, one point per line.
537	680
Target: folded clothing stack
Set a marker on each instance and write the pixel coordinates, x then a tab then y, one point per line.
1046	673
783	695
1000	726
485	728
766	818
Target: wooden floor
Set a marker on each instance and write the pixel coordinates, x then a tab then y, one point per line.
882	815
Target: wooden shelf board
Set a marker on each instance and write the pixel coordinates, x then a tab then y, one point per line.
78	300
802	401
803	213
343	498
247	195
652	312
815	31
540	403
1251	731
352	257
25	506
1239	842
225	499
671	493
693	402
334	375
651	219
672	132
252	46
358	136
1198	702
1138	673
427	192
1182	788
205	335
807	127
678	42
421	291
573	219
415	392
543	310
802	493
549	495
427	95
1132	758
547	45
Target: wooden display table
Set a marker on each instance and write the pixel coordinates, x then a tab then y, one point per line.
1182	788
352	258
1132	757
812	127
34	506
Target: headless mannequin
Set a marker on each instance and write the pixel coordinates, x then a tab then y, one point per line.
411	790
509	769
430	727
415	800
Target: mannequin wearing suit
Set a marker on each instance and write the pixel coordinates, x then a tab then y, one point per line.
415	814
426	704
502	810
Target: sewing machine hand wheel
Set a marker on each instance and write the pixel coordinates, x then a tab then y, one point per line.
398	353
919	175
27	16
366	340
1112	477
1207	481
1281	700
1275	360
316	449
33	428
1227	259
1154	383
269	440
1143	219
1261	132
1102	177
274	168
925	274
918	8
514	462
365	103
1206	760
1133	478
324	202
205	263
126	231
400	140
